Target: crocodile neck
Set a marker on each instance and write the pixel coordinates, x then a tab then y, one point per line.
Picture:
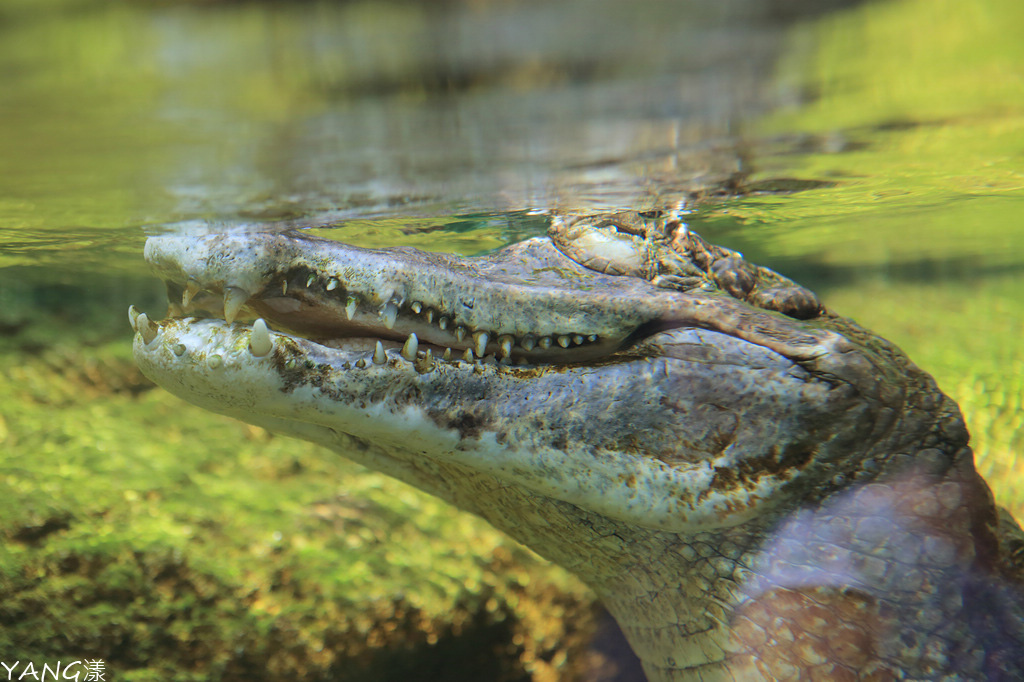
882	581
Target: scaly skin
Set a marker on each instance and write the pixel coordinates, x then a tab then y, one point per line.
754	496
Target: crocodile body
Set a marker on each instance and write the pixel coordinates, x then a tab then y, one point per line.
756	487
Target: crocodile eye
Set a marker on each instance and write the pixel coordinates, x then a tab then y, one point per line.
734	275
796	301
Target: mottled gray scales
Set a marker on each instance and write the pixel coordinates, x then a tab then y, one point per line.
756	487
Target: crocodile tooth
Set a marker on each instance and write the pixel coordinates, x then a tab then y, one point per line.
145	328
430	315
577	339
234	299
480	340
592	338
215	361
389	313
178	349
260	343
544	342
564	341
505	341
350	307
192	287
467	355
412	344
379	357
447	357
310	281
460	333
417	307
361	363
443	323
133	315
332	284
426	363
528	342
284	287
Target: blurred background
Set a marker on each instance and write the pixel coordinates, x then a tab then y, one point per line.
873	151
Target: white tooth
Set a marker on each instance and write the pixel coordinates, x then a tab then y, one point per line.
417	307
460	333
577	339
544	342
528	342
443	323
467	355
592	338
430	315
133	315
480	340
332	284
234	299
178	349
505	341
564	341
260	343
310	281
361	363
447	357
426	363
412	344
146	328
389	314
192	288
284	287
379	357
350	307
214	361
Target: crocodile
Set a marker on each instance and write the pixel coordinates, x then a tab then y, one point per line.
756	487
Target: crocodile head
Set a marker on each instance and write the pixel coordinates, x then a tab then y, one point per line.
650	411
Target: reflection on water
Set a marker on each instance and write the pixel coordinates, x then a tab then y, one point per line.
871	151
120	113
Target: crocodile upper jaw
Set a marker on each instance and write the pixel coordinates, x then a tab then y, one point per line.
528	303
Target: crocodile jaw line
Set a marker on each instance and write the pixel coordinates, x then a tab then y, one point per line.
334	291
344	400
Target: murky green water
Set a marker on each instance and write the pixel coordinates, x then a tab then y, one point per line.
882	144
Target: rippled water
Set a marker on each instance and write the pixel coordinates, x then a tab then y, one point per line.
874	152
